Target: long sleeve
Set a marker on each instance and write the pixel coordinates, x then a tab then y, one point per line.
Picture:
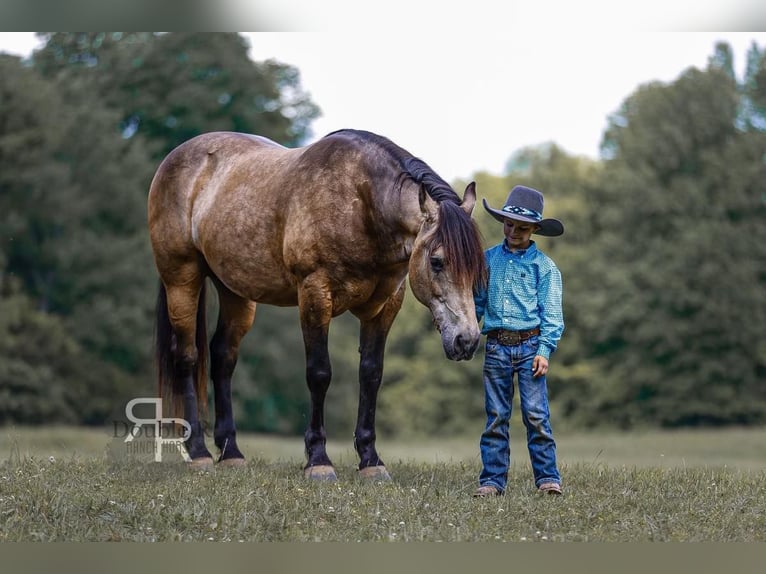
549	295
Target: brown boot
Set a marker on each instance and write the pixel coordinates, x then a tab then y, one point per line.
550	488
487	490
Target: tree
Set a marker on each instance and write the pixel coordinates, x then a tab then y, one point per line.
46	377
171	87
753	91
681	294
74	216
74	268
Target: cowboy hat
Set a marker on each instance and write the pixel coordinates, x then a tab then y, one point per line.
526	204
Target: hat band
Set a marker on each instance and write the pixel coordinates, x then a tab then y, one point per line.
517	210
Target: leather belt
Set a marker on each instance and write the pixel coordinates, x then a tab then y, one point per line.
505	337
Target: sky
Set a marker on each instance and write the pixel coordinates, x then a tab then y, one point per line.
467	103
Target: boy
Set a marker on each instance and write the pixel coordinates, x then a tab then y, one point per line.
523	321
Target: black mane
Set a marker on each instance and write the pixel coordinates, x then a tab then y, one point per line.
414	167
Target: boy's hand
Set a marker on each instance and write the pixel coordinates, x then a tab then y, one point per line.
539	366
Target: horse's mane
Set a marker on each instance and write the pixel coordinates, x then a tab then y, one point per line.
456	232
412	167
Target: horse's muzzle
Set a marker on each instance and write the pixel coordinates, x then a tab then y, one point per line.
462	348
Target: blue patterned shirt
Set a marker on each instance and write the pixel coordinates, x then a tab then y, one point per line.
524	291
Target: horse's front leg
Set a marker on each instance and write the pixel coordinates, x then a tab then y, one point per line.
372	343
315	313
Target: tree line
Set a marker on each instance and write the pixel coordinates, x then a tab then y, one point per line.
663	258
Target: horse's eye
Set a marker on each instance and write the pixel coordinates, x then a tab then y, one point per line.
437	264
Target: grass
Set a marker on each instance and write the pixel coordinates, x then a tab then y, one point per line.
682	486
735	448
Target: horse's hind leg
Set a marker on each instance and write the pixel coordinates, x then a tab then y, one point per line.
183	299
234	320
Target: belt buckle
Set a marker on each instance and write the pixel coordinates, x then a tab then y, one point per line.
508	338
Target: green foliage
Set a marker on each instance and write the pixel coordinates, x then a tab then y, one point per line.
33	380
679	237
46	376
753	91
171	87
74	218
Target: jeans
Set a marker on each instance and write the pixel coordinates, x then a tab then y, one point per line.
501	363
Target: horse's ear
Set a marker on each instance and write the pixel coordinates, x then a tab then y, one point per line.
425	199
469	198
422	198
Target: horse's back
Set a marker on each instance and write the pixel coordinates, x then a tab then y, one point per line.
188	168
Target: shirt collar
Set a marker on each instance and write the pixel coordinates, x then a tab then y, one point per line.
521	252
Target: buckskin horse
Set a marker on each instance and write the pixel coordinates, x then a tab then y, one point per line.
331	227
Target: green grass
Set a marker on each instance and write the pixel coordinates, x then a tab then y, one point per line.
681	486
735	448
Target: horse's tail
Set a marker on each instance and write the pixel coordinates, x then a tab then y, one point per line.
169	385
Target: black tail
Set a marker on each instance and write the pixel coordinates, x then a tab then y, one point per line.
169	385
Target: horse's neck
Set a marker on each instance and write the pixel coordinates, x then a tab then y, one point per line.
402	214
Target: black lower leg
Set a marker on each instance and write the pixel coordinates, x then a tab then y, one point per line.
318	376
372	343
222	369
195	444
225	432
370	373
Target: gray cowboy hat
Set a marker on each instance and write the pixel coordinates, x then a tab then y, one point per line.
526	204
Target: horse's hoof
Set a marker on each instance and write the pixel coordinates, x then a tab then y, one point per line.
204	463
233	462
323	472
374	474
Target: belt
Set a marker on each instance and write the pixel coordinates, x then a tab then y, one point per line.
505	337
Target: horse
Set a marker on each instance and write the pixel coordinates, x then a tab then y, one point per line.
334	226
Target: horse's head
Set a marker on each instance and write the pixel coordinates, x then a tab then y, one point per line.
447	261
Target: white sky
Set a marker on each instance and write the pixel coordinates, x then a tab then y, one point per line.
467	103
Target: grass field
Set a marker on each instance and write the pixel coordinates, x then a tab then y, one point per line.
61	484
736	448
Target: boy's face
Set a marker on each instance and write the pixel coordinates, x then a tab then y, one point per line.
518	234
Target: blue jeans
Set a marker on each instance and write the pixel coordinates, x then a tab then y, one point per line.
501	363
